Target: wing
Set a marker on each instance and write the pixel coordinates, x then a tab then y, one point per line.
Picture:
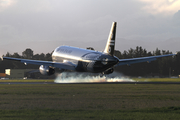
46	63
141	59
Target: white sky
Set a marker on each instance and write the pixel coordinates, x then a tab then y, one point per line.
43	25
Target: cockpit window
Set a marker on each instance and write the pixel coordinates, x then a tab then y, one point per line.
104	61
91	56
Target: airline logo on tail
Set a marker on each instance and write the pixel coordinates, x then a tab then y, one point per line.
111	40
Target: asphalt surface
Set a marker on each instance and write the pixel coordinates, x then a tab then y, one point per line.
91	83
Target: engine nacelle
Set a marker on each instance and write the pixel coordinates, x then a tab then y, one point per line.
109	71
46	70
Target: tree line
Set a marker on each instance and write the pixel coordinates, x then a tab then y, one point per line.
27	54
161	67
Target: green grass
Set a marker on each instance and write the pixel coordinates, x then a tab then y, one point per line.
27	80
46	114
157	79
90	101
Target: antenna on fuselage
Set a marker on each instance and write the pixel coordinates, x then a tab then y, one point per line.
110	45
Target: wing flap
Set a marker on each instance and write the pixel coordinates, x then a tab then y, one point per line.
46	63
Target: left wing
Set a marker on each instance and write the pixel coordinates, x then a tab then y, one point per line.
141	59
66	66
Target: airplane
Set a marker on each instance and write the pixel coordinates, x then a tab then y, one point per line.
68	58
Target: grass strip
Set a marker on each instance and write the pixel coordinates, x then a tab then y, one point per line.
139	114
157	79
90	101
28	80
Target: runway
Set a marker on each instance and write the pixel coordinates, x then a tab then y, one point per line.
10	83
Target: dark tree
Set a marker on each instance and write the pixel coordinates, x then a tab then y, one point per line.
48	57
28	54
117	53
16	55
8	54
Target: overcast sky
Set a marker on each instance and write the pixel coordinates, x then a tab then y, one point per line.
43	23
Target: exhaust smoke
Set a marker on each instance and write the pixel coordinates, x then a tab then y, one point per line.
74	77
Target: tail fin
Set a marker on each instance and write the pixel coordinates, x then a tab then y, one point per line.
110	45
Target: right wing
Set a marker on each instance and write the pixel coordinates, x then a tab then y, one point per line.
140	59
66	66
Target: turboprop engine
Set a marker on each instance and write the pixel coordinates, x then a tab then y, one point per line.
46	70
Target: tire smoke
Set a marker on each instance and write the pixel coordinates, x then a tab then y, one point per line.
74	77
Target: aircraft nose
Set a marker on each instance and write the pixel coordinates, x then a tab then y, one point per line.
114	60
109	59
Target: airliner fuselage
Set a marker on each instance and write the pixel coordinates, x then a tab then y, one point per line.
84	60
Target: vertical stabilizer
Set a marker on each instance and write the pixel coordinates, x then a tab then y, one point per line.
110	45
